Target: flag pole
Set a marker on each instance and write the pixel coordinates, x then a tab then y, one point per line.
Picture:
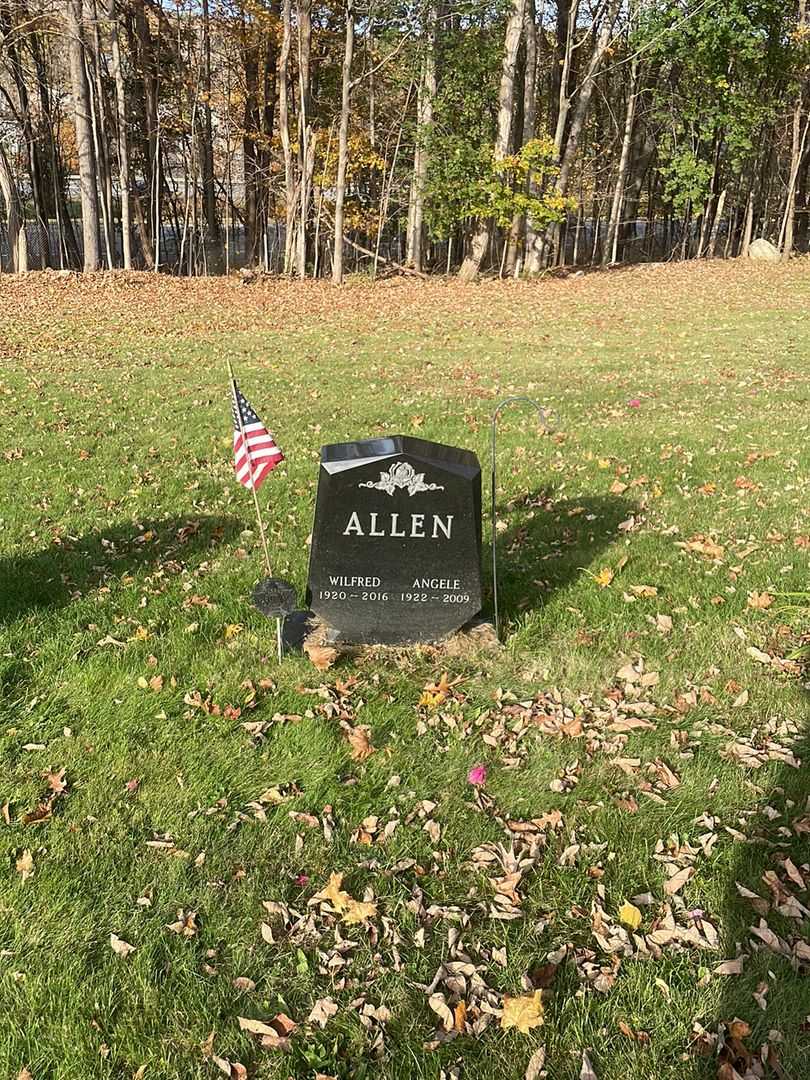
265	548
250	467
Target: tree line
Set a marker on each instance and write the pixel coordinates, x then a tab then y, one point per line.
311	137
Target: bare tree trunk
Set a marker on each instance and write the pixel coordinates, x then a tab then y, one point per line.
798	145
519	222
250	126
100	140
585	94
84	135
343	146
614	225
123	149
14	23
306	141
559	61
145	216
284	131
718	217
424	121
506	106
206	137
561	84
17	240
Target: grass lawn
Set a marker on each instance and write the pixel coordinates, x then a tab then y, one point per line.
165	782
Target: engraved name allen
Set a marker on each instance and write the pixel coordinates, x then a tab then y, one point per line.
416	526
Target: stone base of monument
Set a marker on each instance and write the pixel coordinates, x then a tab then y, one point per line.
303	630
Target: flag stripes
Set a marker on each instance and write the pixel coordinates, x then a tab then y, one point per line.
254	450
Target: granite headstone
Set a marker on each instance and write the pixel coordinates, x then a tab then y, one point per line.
396	546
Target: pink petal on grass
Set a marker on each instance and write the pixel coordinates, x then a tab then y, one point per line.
477	775
634	403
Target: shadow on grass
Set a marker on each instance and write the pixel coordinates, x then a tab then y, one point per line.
50	579
548	543
775	968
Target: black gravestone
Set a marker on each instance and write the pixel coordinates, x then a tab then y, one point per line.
396	547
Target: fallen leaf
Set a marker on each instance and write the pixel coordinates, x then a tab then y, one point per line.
648	592
358	912
460	1016
586	1071
333	894
524	1012
604	577
631	723
729	967
350	910
435	694
25	865
121	947
274	1035
759	601
437	1003
360	741
758	654
185	925
255	1027
536	1062
235	1070
678	880
56	781
630	915
322	1012
321	656
739	1029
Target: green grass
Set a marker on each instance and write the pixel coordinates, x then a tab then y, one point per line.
119	514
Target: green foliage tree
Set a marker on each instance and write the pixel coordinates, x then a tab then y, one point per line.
471	182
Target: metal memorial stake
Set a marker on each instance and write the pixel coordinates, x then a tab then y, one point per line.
543	415
273	597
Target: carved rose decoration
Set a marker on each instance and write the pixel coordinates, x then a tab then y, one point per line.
401	475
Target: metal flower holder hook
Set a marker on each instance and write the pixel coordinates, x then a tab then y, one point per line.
543	415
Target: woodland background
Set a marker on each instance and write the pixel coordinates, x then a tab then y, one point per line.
312	138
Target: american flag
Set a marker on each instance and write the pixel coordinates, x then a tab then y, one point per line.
255	454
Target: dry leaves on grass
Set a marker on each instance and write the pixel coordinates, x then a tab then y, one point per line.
703	545
57	789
